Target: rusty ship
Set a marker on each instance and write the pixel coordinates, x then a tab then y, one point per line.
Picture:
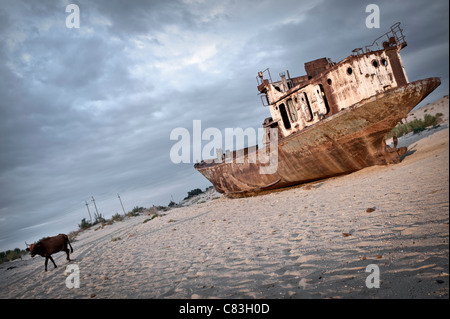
329	122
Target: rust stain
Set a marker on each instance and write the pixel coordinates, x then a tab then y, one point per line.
331	121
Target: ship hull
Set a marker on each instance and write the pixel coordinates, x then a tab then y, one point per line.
348	141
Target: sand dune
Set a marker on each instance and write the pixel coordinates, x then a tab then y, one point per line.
313	241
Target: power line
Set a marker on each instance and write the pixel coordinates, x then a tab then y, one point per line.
121	204
97	216
87	205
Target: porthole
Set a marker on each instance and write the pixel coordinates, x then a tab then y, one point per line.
384	62
375	63
329	81
349	71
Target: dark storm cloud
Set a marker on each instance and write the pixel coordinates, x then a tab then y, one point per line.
89	111
129	18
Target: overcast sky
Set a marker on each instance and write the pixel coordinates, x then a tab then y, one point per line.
88	112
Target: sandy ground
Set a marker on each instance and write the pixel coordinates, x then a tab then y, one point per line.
313	241
439	106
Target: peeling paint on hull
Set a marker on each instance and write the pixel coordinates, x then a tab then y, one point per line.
345	142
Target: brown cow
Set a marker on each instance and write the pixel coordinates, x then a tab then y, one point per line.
50	245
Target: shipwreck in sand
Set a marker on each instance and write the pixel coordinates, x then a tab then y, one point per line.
329	122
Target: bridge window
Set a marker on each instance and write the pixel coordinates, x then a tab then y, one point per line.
284	116
325	100
305	107
292	111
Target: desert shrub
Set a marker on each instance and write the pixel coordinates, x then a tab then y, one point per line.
117	217
99	219
14	254
151	218
430	120
84	224
416	125
135	211
10	255
73	234
172	204
193	193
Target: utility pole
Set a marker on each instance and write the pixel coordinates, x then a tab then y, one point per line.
97	216
121	204
87	205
